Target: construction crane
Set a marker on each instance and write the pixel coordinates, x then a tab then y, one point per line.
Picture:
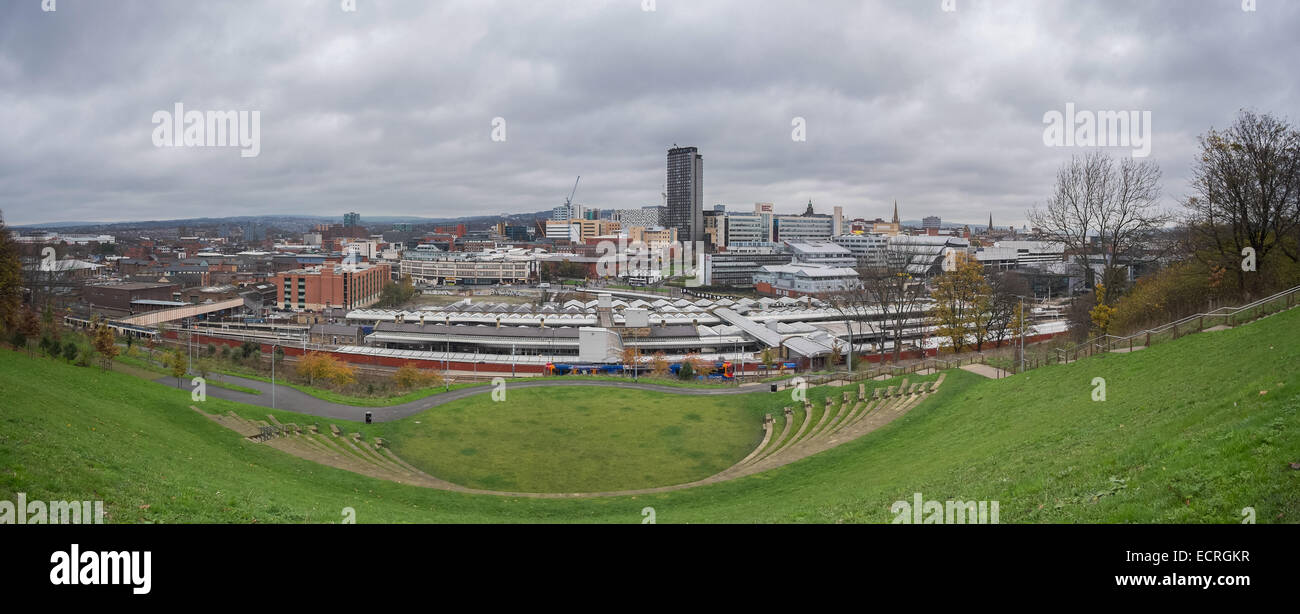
568	202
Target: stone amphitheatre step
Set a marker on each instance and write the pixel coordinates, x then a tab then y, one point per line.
935	386
767	436
393	457
806	415
335	444
870	410
350	445
853	414
311	441
828	410
811	416
846	407
348	463
238	424
799	415
358	462
829	431
788	417
382	460
871	406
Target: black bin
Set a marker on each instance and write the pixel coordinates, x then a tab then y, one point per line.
370	417
773	387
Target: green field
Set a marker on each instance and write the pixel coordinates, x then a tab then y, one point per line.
1184	435
578	439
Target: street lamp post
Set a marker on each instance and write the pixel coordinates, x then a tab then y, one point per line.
848	327
274	348
1022	328
1022	334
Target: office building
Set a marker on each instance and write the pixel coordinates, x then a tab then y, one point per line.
685	193
350	286
868	249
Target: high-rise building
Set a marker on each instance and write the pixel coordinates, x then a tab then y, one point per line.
685	193
351	219
932	221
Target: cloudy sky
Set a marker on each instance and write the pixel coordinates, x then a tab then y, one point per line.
388	110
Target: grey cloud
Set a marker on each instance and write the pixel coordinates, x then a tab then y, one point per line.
387	110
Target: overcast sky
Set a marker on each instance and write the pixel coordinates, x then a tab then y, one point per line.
388	110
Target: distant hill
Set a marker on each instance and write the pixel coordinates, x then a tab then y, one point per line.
269	220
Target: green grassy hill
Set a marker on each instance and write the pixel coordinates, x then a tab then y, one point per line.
1184	435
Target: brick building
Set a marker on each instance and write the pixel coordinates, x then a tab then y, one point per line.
316	288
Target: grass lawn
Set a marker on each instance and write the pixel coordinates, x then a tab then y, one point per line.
1184	435
577	439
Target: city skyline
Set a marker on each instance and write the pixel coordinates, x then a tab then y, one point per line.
942	111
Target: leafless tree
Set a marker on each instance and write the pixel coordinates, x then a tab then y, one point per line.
856	307
894	293
1246	192
1007	287
1118	204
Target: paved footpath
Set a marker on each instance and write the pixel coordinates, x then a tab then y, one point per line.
290	399
985	370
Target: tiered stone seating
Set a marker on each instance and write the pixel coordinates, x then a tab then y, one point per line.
352	453
833	426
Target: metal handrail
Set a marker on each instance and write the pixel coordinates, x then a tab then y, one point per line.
1226	312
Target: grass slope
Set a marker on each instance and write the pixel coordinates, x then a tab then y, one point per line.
1184	435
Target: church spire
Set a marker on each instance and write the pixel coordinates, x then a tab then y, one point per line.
990	222
895	212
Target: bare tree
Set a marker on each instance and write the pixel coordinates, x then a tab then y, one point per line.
1246	192
894	289
1007	288
857	307
1115	203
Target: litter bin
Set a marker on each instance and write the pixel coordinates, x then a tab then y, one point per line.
370	417
773	387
